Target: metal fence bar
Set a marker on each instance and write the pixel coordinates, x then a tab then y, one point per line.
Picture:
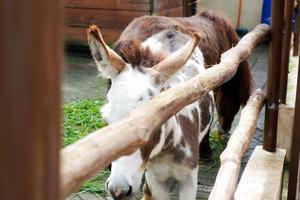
270	132
30	59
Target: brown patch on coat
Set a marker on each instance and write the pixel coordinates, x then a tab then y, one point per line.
206	116
149	146
190	131
132	52
147	193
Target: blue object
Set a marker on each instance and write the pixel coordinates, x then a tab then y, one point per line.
266	12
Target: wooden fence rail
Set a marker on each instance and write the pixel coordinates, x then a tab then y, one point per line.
237	146
83	159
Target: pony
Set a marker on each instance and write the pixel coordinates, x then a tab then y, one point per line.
155	53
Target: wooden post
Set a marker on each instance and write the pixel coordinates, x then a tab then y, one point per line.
273	76
293	189
95	151
187	7
237	146
296	32
289	6
30	57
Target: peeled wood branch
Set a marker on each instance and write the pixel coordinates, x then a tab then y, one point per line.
82	160
226	181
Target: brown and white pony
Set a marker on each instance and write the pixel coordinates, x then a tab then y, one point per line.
153	54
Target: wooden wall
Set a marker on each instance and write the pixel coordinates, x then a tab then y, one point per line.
173	8
112	16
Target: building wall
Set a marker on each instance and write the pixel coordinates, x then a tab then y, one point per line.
250	15
112	16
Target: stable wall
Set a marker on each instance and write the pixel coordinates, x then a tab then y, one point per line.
112	16
250	14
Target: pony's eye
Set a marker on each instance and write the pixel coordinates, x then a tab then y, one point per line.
150	93
140	99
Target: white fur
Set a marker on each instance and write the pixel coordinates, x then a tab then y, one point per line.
104	67
154	43
205	129
132	171
158	172
125	94
187	150
177	133
106	70
157	149
188	186
188	110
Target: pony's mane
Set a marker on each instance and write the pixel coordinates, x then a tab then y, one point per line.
132	52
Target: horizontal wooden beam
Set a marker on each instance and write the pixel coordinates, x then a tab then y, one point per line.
237	146
78	34
83	159
262	177
140	5
112	19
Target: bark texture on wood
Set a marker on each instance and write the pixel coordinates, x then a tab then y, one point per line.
82	160
296	32
273	80
237	146
288	19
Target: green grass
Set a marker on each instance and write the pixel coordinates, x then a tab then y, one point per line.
79	119
217	145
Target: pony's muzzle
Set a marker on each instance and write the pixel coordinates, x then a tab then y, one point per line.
119	191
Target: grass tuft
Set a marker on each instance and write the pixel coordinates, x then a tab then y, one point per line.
217	144
79	119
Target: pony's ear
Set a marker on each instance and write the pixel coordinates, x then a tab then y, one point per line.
109	63
171	64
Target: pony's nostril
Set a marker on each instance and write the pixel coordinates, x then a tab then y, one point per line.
129	191
120	193
106	185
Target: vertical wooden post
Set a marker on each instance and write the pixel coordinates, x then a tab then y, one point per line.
296	31
289	5
270	133
188	7
30	59
293	189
